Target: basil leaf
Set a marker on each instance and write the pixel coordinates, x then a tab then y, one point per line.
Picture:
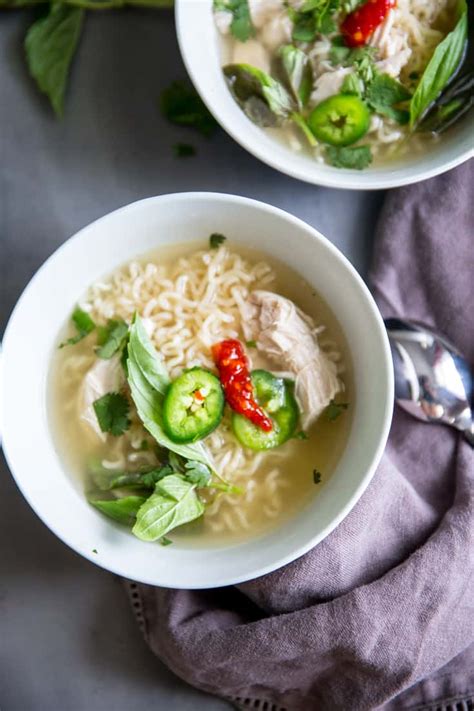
106	480
263	99
112	412
121	510
50	45
298	73
112	338
384	93
441	67
148	380
355	157
181	104
173	503
84	325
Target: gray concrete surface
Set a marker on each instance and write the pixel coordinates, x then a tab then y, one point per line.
68	641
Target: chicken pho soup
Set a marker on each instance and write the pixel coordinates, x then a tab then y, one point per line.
349	81
202	394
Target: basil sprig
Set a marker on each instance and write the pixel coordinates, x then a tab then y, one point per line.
441	67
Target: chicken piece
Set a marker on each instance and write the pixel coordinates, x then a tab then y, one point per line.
392	41
251	52
287	336
329	83
105	376
263	11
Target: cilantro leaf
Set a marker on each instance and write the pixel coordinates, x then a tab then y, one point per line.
384	93
356	157
352	84
183	150
112	413
50	45
197	473
112	338
216	239
335	409
251	344
241	26
181	104
314	16
84	325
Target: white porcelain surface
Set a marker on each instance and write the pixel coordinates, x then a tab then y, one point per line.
31	337
199	43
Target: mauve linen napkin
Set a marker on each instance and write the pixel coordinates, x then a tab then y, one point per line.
381	613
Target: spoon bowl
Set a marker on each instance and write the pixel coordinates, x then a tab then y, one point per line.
433	381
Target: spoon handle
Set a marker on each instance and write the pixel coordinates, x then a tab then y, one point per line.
469	435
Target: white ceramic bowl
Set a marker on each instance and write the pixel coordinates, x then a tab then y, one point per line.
200	47
31	337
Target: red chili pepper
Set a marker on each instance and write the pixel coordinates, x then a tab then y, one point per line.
362	23
234	374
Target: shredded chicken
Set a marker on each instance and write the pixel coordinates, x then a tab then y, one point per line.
251	52
105	376
392	42
287	336
329	83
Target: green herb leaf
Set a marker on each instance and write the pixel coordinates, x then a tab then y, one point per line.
173	503
84	325
181	104
316	476
335	409
298	73
301	435
251	344
384	93
264	100
241	26
165	541
315	16
106	480
149	380
121	510
50	45
356	157
352	84
112	338
183	150
349	6
216	239
197	473
94	550
302	124
441	67
112	413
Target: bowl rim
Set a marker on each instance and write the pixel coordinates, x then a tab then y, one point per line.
81	548
343	180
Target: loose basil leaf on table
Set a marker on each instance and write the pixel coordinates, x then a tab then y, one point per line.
441	67
173	503
263	99
122	510
50	45
298	73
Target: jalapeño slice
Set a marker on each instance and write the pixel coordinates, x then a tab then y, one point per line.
193	406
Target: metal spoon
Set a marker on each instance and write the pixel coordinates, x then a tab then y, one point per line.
433	381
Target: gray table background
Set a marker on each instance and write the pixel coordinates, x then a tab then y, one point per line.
68	641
